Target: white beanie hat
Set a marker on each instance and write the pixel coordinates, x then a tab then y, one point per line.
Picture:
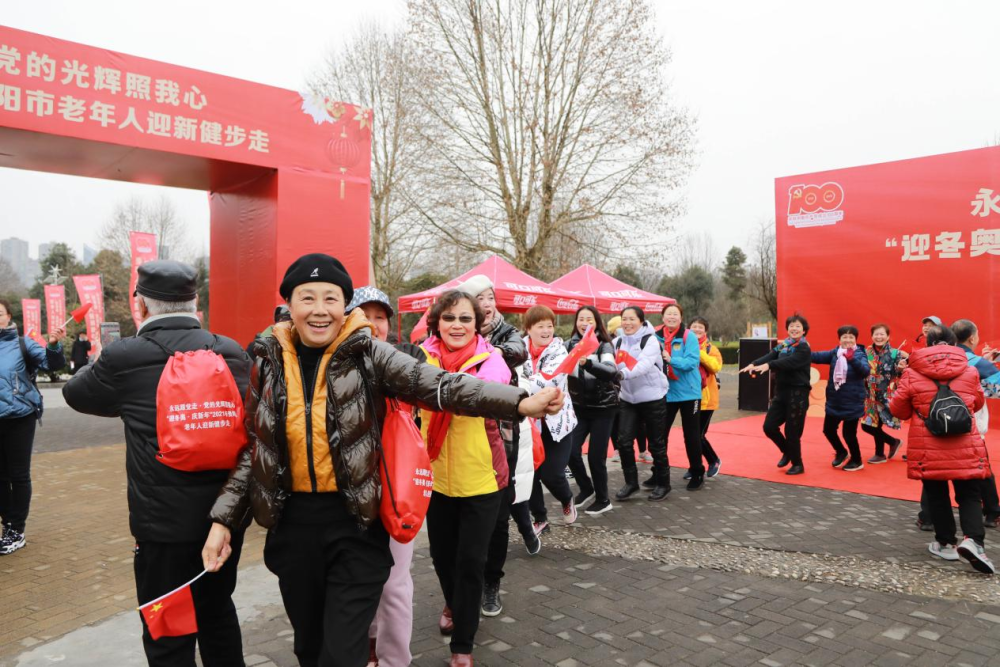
475	285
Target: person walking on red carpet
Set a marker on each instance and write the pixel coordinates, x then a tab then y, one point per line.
937	374
792	360
711	364
886	365
845	396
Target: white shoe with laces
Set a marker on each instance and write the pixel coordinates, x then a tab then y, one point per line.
11	541
569	513
945	551
975	553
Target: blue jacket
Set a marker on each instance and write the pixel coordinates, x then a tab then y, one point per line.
685	358
989	376
18	396
848	402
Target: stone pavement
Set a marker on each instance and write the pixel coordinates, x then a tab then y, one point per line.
642	585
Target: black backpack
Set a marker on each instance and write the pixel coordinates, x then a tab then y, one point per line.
948	414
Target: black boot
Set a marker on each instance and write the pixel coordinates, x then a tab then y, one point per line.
651	482
662	487
631	485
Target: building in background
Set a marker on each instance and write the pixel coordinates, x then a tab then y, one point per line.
44	249
15	252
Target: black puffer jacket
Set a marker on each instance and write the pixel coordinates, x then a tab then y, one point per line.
596	385
165	504
361	374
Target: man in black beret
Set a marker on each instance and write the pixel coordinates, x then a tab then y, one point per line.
168	508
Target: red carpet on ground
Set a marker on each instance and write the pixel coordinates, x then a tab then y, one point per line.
746	452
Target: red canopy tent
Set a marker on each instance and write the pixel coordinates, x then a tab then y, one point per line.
516	291
609	294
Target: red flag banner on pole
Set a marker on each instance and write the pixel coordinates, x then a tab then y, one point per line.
32	311
624	357
587	346
55	307
172	615
143	250
92	294
420	331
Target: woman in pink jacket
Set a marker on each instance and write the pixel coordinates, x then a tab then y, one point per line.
961	459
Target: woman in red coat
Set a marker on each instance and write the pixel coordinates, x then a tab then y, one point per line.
936	460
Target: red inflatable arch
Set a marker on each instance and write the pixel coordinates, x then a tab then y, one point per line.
286	173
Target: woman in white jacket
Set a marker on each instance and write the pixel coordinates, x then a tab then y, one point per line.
545	352
644	389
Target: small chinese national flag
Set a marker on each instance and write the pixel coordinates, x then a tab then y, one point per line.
905	346
81	312
624	357
171	615
587	346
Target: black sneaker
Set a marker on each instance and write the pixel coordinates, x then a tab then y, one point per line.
796	470
894	447
854	466
687	475
492	604
11	542
840	459
650	483
783	461
583	497
696	483
877	459
599	507
714	468
928	527
533	545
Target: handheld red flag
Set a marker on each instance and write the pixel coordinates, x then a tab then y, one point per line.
587	346
624	357
172	615
79	314
905	346
420	331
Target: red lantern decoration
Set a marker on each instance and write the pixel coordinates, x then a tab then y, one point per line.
344	153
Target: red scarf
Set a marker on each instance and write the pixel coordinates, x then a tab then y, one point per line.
451	361
668	337
702	338
536	355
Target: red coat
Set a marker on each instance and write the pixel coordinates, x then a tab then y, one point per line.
930	456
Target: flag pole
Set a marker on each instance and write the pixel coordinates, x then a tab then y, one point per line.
166	595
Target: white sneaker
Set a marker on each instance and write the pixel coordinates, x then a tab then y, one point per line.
946	551
569	513
971	551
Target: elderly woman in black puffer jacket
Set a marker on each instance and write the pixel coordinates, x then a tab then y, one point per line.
310	474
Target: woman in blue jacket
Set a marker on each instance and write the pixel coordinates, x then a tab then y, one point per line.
20	407
846	391
681	359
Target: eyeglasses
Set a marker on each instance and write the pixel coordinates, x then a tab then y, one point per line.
464	319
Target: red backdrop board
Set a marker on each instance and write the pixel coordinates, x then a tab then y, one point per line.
893	243
291	169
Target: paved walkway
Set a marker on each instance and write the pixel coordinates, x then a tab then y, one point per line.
743	572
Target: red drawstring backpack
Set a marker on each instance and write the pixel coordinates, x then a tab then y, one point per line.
199	411
537	445
407	481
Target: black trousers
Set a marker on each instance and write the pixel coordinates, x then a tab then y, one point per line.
496	555
850	431
970	509
16	438
706	447
552	473
331	575
161	567
788	407
691	427
651	415
597	425
988	492
880	437
459	533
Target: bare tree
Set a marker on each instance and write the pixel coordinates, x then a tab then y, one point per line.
763	274
549	120
695	250
376	68
137	215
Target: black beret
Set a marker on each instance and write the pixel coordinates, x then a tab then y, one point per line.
316	268
167	280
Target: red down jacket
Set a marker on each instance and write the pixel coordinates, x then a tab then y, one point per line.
930	456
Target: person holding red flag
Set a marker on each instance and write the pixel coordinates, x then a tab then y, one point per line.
643	390
20	360
594	389
546	353
168	506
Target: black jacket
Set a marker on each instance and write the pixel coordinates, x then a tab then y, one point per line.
165	505
792	368
596	385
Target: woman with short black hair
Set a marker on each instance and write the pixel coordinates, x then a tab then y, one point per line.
845	396
792	359
886	364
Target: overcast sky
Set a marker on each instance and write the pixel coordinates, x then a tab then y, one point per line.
778	88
